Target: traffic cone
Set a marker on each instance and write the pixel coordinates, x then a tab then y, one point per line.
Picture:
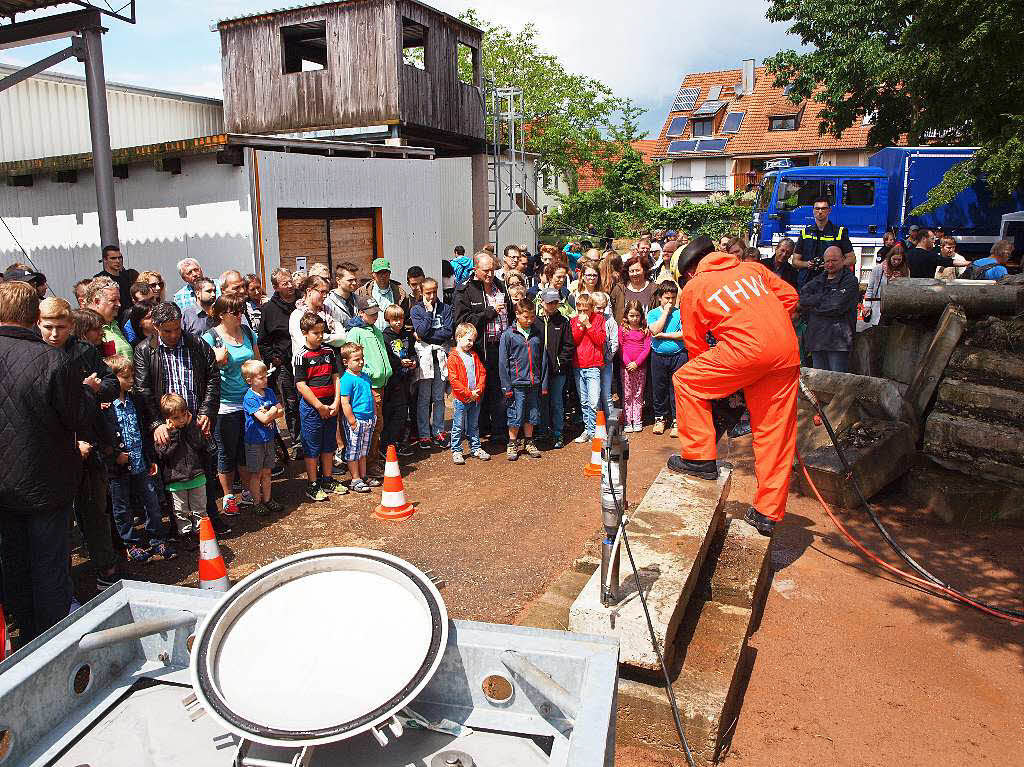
392	499
213	573
593	469
5	641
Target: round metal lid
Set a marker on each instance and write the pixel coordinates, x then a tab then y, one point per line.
319	646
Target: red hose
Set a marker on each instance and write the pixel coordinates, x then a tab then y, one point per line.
935	588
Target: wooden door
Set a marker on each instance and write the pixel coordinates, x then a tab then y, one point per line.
328	240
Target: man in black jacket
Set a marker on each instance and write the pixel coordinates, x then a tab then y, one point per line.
95	440
483	302
554	329
830	301
276	346
174	362
40	411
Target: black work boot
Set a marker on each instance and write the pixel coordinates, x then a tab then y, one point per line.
759	522
702	469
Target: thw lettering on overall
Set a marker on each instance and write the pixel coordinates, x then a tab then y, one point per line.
744	288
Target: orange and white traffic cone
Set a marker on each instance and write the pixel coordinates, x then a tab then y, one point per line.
213	573
593	469
5	641
392	500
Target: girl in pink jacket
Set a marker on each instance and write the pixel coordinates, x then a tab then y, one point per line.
635	344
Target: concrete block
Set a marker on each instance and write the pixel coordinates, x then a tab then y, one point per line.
708	688
993	401
933	363
670	533
988	365
959	499
984	449
742	570
905	346
876	461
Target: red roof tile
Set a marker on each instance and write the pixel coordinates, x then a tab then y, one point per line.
764	102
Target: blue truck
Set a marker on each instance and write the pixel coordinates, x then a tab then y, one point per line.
871	199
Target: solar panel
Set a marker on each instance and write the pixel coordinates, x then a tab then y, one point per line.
709	107
733	121
682	146
714	92
676	127
712	144
685	99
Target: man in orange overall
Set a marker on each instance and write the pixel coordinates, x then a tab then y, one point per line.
747	309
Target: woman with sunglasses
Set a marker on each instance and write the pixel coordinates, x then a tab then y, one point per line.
233	344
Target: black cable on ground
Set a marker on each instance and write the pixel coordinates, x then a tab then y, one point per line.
647	614
899	550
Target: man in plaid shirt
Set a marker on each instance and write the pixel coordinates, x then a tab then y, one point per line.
190	272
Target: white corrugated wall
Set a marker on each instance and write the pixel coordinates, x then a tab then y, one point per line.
408	192
48	116
204	213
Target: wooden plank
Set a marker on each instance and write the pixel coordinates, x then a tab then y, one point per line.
951	326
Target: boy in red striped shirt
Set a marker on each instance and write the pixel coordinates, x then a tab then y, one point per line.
316	379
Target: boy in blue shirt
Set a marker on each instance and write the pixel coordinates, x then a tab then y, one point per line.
523	370
359	416
131	468
261	411
668	354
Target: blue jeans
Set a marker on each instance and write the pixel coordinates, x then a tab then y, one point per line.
523	406
838	362
121	490
431	393
552	405
319	435
588	383
606	386
466	422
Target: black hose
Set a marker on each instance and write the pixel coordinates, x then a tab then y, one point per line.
650	624
899	550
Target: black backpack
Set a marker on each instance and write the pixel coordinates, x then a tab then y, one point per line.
975	272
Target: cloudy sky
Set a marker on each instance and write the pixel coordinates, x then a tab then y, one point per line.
640	50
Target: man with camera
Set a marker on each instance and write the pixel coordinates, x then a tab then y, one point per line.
809	255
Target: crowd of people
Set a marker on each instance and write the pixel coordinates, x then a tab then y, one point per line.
130	406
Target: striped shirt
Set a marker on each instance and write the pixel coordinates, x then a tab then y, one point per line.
176	368
317	367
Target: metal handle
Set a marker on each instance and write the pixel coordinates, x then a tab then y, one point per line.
524	668
136	630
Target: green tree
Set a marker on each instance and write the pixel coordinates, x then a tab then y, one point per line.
566	114
920	68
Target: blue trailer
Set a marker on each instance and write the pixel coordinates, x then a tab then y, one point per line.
868	200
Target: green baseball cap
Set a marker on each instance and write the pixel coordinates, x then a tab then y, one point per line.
380	265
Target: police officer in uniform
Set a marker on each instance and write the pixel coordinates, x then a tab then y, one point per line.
809	256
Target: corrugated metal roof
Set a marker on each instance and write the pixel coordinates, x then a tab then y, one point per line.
11	7
48	116
305	6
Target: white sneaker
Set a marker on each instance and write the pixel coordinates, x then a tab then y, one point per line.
628	428
583	438
481	454
638	427
458	459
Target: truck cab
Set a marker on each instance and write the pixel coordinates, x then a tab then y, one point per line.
859	197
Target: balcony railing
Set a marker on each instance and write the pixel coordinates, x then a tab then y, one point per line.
681	184
716	183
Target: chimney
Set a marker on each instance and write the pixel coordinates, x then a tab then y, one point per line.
747	81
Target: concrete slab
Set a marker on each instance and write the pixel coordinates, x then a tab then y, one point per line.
884	458
959	499
708	688
670	533
710	680
551	609
989	450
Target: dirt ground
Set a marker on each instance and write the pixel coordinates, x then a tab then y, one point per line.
852	668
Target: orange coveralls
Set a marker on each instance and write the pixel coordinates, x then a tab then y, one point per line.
747	308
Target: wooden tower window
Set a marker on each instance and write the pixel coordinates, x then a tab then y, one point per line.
304	47
414	44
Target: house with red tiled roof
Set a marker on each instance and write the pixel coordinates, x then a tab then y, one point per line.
725	126
589	178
